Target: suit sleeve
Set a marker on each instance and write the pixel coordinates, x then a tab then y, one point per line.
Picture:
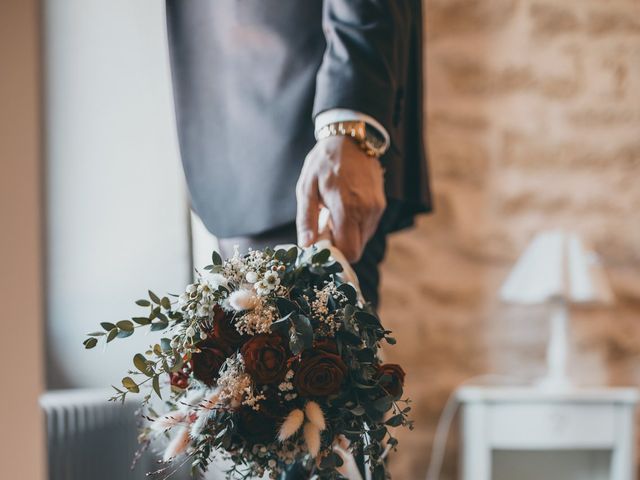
365	39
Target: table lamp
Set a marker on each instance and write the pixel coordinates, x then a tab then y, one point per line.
558	270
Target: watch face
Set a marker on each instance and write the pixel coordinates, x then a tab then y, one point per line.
374	136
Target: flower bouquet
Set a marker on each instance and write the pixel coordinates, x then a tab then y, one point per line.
270	358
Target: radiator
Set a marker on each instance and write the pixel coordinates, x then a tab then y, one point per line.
89	438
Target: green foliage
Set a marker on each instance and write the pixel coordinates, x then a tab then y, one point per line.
130	384
361	409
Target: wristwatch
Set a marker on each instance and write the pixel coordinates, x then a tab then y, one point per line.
368	138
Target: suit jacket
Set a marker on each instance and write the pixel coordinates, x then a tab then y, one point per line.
249	76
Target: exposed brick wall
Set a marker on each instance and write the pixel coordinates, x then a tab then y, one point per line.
533	122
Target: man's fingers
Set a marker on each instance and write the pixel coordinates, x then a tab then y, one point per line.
372	220
307	211
347	235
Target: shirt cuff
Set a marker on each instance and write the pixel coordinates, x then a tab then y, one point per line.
336	115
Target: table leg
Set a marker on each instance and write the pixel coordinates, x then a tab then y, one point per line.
476	456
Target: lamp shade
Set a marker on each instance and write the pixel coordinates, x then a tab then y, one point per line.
557	266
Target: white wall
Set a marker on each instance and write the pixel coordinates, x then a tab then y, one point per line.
116	202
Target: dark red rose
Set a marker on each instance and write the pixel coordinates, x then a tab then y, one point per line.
224	329
207	362
396	382
273	406
256	426
207	325
265	358
320	373
179	379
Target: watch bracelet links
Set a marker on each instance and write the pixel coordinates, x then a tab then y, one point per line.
358	131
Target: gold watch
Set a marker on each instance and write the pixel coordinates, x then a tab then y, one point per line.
367	137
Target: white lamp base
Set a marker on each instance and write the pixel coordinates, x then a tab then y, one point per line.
557	350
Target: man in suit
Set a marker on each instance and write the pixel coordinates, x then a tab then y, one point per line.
284	106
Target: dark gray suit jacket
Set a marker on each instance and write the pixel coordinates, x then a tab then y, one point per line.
250	75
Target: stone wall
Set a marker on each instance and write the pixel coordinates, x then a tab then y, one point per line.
533	111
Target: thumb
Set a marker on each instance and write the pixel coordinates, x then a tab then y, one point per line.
307	213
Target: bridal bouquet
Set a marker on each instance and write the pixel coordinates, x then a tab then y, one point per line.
269	358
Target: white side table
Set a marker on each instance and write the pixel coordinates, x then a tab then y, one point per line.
530	434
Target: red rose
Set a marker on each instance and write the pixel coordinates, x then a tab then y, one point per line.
395	384
224	329
265	358
207	362
319	374
179	379
256	426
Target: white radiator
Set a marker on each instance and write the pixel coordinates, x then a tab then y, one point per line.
89	438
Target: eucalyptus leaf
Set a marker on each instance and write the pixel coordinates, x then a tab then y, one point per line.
155	326
304	331
349	292
107	326
124	333
165	344
377	434
143	303
141	364
156	385
332	460
90	343
154	298
282	323
130	384
333	268
125	325
383	404
112	334
216	259
141	320
322	256
285	306
96	334
394	421
166	303
291	255
367	319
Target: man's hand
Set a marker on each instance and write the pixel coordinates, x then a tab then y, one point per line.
337	174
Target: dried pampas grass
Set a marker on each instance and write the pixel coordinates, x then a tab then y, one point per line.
315	415
312	438
167	421
178	445
291	424
241	300
211	401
